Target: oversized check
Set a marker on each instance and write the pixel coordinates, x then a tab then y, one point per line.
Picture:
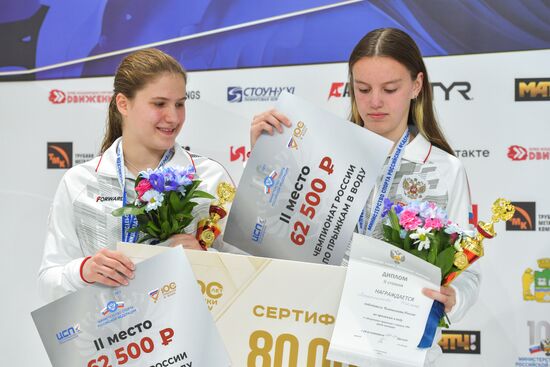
302	191
159	319
383	313
269	312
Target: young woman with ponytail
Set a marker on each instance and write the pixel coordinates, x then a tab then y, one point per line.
391	96
146	114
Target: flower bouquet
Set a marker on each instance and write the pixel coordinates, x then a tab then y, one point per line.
164	202
424	230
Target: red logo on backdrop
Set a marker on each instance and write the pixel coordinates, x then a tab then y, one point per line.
238	154
60	155
336	90
524	217
57	96
519	153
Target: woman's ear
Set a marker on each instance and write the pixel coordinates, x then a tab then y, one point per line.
122	104
417	85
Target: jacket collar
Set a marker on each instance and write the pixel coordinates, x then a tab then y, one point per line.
107	161
418	150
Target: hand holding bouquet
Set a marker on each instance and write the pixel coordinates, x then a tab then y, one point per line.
164	202
424	230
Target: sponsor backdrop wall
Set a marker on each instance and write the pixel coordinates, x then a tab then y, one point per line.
493	107
497	122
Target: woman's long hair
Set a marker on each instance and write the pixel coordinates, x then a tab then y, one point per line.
398	45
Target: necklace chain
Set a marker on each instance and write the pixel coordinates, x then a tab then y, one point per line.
132	166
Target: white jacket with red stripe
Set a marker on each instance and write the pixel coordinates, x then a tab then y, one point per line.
81	223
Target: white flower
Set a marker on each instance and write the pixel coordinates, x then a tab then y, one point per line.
153	198
421	237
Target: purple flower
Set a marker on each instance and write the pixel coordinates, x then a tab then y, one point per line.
387	207
157	181
184	176
170	179
398	209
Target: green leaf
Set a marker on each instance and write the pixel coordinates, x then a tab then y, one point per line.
147	237
445	260
396	238
128	210
434	249
420	254
163	212
175	202
153	226
407	242
189	207
142	220
175	225
182	216
165	227
394	220
387	232
202	194
191	189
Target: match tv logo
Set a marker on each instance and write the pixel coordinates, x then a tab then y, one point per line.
524	218
536	89
460	342
59	155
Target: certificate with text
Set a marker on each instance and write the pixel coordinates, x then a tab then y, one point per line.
269	312
159	319
383	313
302	191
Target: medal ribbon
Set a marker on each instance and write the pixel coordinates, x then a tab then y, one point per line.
388	176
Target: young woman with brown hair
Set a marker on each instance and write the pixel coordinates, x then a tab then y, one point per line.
146	114
391	96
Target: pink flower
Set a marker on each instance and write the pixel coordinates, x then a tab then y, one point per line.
143	187
434	223
409	220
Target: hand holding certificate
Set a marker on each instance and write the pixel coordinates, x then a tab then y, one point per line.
382	311
387	319
302	191
159	318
